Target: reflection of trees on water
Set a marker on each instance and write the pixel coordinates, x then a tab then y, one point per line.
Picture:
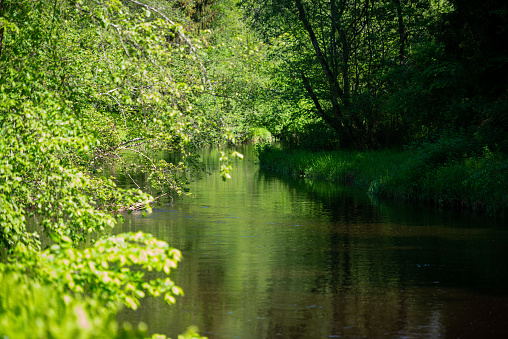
354	267
415	237
377	253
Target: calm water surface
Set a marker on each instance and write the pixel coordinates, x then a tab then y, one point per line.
271	257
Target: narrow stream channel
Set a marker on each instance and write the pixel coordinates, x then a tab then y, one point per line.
272	257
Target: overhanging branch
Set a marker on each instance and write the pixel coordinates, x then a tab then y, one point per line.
206	80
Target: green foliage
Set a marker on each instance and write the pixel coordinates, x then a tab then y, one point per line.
388	73
226	166
99	83
129	74
36	179
392	73
452	172
310	136
410	178
238	71
90	88
357	168
112	269
333	55
259	134
30	309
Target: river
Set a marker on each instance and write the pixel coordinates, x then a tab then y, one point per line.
272	257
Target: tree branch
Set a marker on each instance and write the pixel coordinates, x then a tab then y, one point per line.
206	80
312	95
335	89
319	54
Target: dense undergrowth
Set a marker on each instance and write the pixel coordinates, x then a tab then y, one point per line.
452	172
40	311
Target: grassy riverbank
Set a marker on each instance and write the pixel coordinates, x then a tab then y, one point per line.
452	172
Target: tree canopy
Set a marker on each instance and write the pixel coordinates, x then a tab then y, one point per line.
384	73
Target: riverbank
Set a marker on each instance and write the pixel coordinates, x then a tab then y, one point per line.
450	173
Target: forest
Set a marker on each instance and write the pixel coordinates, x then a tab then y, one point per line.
94	89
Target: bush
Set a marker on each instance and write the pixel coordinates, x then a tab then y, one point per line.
259	134
31	310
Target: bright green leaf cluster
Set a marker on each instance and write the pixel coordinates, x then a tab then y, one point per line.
114	269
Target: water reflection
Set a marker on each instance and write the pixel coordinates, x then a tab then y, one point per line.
267	257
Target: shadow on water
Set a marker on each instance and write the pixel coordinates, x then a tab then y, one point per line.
268	257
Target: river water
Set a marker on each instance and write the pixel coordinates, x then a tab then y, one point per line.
272	257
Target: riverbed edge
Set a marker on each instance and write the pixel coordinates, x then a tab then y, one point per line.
469	182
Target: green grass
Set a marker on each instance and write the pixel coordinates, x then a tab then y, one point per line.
450	173
357	168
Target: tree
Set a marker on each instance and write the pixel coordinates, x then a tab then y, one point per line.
343	38
86	87
355	61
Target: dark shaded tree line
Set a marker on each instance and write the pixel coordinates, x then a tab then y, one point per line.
390	72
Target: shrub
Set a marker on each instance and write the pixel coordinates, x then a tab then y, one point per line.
31	310
259	134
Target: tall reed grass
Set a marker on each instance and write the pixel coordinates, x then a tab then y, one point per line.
452	172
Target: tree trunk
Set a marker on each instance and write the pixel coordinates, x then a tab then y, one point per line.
336	93
334	123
